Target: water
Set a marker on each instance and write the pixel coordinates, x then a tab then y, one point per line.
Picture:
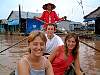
89	58
10	57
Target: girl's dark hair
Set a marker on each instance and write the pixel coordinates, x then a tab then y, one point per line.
52	6
75	50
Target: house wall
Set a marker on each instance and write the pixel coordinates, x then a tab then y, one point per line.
75	26
64	25
1	28
97	26
13	20
69	25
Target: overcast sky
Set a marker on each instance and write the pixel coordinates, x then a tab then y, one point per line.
70	8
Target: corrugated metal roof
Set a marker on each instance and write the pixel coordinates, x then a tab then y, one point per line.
93	14
15	15
13	22
3	21
13	18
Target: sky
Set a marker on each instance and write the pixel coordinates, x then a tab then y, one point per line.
70	8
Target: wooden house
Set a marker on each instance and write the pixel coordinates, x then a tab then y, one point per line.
3	25
14	20
94	15
68	25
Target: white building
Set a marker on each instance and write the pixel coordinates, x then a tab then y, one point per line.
68	25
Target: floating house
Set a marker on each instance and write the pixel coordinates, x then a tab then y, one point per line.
3	25
24	22
69	25
94	16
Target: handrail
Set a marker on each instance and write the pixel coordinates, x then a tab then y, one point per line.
13	45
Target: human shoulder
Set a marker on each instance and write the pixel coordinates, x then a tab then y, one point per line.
23	61
44	59
58	38
57	49
23	67
47	63
60	48
48	67
45	11
53	11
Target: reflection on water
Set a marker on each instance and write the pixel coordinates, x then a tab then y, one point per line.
89	58
9	58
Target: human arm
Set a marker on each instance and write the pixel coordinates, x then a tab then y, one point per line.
53	54
49	69
23	67
77	64
42	16
57	18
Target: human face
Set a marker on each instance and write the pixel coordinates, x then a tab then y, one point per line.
71	43
50	30
49	7
37	46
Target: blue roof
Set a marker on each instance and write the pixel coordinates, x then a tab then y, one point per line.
13	22
89	19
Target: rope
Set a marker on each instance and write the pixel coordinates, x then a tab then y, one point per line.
90	46
86	44
13	45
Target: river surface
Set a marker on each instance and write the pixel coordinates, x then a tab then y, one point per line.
89	58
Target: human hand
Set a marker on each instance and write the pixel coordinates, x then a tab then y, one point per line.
35	17
65	17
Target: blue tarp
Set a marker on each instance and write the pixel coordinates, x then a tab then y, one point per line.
13	22
89	19
33	24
